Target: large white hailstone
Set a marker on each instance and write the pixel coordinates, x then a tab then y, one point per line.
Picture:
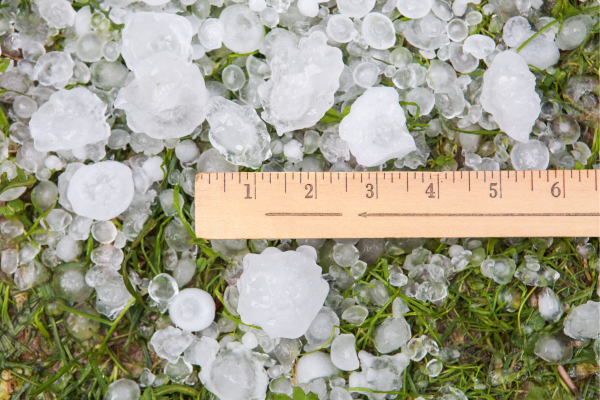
379	373
375	129
282	292
238	132
378	31
166	99
509	95
58	13
302	85
192	310
355	8
414	9
68	120
101	191
531	155
148	33
236	374
242	30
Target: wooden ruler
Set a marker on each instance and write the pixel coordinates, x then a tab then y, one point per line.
299	205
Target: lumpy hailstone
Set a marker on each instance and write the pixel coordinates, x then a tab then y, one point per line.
281	292
302	85
509	95
375	129
166	99
235	374
238	132
148	33
192	310
68	120
101	191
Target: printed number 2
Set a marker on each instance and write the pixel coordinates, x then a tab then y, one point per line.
493	192
308	187
430	191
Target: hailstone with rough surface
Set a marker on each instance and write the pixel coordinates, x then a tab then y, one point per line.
282	292
148	33
170	342
101	191
68	120
237	132
58	13
302	85
236	374
379	373
192	309
531	155
509	95
166	99
375	129
584	321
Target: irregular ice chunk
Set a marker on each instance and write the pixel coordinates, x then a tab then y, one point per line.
58	13
500	270
281	292
54	69
343	353
549	305
584	321
237	132
192	309
531	155
148	33
242	30
379	373
123	389
302	85
170	342
101	191
202	351
555	349
509	95
166	99
235	374
391	334
314	366
375	128
112	297
68	120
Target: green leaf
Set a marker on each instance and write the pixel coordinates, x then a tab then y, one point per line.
578	165
20	180
280	396
331	116
537	393
299	395
346	111
4	64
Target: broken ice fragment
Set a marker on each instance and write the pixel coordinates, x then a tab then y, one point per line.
202	351
545	276
500	270
170	342
391	334
375	129
343	353
549	305
509	95
379	373
192	309
68	120
101	191
281	292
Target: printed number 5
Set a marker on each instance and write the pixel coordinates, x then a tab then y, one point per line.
493	192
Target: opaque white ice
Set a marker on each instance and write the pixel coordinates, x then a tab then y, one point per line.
509	95
281	292
192	309
584	321
101	191
379	373
242	30
375	129
68	120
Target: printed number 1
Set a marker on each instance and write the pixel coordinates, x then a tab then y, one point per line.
247	191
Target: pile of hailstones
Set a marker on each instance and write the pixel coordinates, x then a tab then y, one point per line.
75	109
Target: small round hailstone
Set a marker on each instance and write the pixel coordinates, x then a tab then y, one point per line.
148	33
432	26
104	232
365	74
166	99
269	17
457	30
54	68
211	34
378	31
242	30
355	8
24	107
233	77
461	60
423	97
90	47
531	155
414	9
341	28
68	120
101	191
192	310
58	13
516	31
123	389
480	46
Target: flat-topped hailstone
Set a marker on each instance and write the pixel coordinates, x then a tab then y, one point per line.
375	129
166	99
302	85
148	33
68	120
282	292
509	95
236	374
238	132
101	191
